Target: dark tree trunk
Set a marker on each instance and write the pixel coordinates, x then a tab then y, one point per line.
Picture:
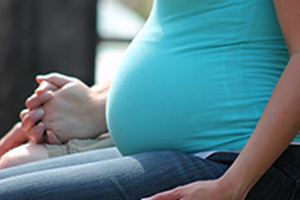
38	37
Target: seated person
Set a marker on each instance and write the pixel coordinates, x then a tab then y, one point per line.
205	105
51	146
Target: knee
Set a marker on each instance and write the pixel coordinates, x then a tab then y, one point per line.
23	154
9	160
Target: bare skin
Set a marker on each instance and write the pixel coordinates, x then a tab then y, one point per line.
26	153
76	111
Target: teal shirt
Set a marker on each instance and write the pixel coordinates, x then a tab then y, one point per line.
197	77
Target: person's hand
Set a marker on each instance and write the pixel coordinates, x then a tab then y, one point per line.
38	134
204	190
75	111
15	137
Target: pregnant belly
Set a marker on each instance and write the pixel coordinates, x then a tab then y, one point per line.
158	101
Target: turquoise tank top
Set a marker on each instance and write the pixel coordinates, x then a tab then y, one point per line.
197	77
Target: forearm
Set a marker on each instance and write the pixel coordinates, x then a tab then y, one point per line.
277	127
102	89
12	139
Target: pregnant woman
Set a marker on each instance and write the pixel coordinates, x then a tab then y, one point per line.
205	105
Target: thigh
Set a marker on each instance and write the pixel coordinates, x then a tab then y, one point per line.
22	154
131	177
63	161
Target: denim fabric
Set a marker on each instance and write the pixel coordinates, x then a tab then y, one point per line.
105	174
280	182
58	162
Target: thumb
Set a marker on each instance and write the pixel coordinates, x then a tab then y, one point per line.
56	79
52	139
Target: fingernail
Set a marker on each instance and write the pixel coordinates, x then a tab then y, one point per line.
39	128
39	76
48	94
39	113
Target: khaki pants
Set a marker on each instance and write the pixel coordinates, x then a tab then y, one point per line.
79	145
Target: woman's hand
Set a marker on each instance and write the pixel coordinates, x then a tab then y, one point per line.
17	136
204	190
75	111
32	126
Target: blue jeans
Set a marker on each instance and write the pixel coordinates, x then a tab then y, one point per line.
106	174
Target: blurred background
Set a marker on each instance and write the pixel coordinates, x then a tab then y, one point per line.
82	38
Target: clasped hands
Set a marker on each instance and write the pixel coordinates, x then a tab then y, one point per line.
62	108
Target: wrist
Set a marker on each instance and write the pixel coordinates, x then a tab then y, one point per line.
99	110
101	88
100	93
232	187
102	124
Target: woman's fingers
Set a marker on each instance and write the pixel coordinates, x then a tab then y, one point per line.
23	113
35	129
38	100
36	133
45	86
56	79
31	118
168	195
51	138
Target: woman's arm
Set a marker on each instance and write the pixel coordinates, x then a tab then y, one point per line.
280	121
279	124
277	127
